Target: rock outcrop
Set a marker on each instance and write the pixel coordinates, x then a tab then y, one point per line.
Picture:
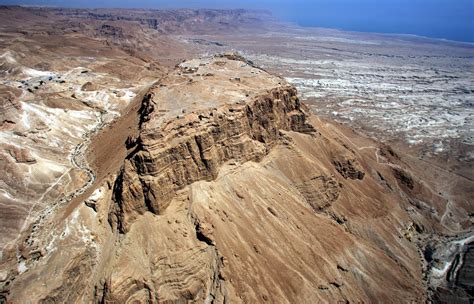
195	146
10	107
230	192
135	179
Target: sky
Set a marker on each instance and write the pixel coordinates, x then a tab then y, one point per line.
447	19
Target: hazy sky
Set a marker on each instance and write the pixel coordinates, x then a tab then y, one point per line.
450	19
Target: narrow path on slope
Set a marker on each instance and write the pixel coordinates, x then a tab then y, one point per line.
380	160
45	219
102	153
78	160
377	150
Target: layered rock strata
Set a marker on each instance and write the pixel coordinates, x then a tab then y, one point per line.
231	193
195	146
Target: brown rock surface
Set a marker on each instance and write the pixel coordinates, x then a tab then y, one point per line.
89	86
10	107
194	146
20	155
210	183
243	197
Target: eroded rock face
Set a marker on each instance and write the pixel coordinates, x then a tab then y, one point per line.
10	106
232	193
89	86
20	155
349	169
52	100
320	191
242	206
195	146
403	178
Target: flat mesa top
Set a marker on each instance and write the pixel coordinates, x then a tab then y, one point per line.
208	83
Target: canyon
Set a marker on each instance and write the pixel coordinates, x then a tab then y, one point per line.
144	160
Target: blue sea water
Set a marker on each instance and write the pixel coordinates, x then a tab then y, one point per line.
447	19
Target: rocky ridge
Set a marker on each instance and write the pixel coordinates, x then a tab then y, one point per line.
195	146
225	156
297	212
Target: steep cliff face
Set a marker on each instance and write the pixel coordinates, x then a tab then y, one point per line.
232	193
195	146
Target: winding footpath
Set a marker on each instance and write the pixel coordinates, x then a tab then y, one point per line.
79	161
78	156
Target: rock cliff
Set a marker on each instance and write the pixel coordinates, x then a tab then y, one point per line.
195	146
230	192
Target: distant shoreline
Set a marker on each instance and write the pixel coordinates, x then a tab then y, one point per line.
402	35
469	43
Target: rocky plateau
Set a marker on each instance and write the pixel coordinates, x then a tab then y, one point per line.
142	162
